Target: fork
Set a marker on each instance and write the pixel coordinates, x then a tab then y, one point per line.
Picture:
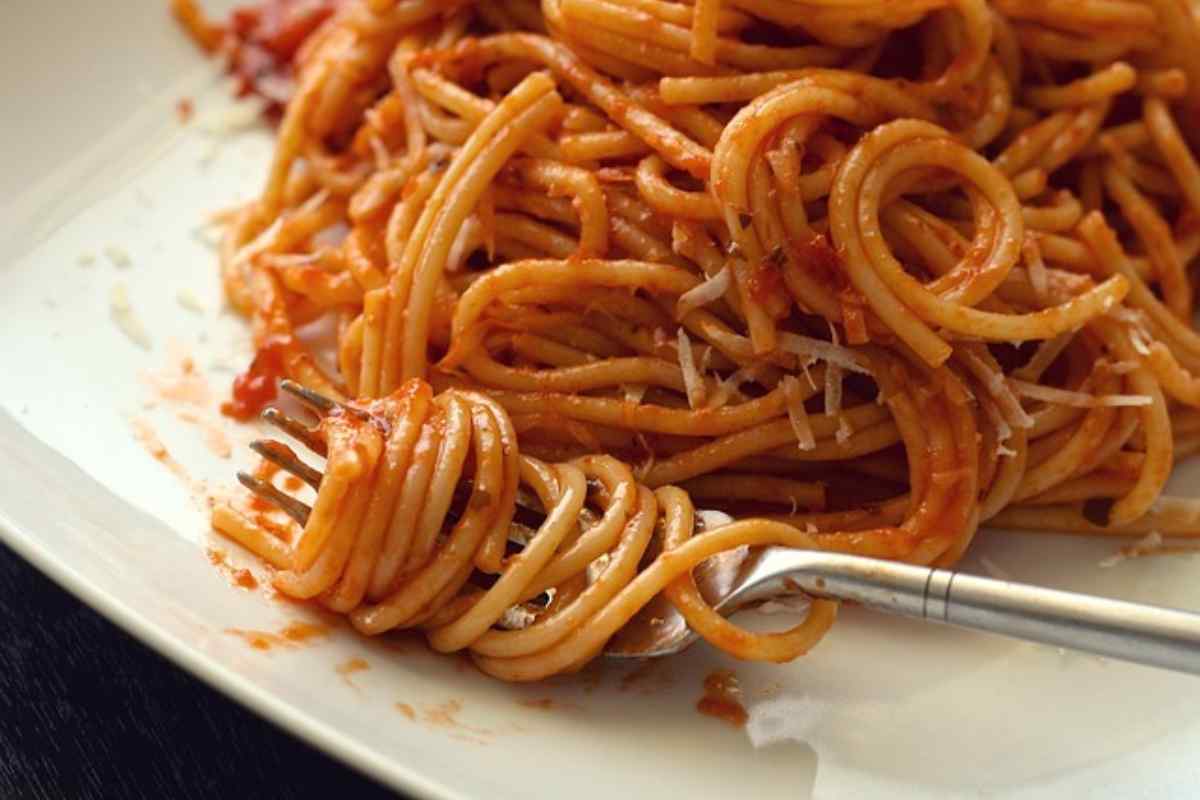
730	582
1143	634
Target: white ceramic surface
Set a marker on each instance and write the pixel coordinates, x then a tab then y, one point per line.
94	159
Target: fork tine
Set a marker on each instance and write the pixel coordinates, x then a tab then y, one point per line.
313	400
319	402
282	455
296	429
293	507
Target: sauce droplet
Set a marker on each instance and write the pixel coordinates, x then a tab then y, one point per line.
256	387
722	698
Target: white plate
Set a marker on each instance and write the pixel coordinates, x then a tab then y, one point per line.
95	158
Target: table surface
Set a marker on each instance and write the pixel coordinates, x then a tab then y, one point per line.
88	712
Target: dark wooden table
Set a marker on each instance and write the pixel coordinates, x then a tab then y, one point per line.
88	712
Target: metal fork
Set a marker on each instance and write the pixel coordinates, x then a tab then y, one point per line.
1144	634
730	582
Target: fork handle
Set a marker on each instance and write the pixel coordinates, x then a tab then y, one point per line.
1144	634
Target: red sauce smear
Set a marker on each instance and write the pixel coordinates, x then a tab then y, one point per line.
242	578
300	632
722	698
256	387
184	109
767	287
292	635
819	256
407	710
547	704
267	37
348	668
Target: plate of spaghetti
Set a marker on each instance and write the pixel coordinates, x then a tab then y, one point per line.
912	279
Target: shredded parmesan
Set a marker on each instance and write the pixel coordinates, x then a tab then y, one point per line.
1138	340
634	392
1003	429
597	567
807	347
1123	367
731	387
1150	545
998	388
86	259
208	235
1147	545
710	291
797	414
125	318
833	394
1036	268
259	244
1066	397
693	381
119	256
516	618
236	118
466	240
1045	355
188	299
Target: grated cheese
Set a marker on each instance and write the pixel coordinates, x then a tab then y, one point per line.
731	387
1066	397
516	618
1147	545
998	388
711	290
235	118
188	299
1123	367
119	256
597	567
808	347
86	259
1036	267
634	392
468	238
1045	355
1138	340
797	413
693	382
125	318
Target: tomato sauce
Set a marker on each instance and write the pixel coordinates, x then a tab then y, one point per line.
266	38
721	698
256	387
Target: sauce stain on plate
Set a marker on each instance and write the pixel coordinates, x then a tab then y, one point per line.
348	668
445	716
547	704
293	634
722	698
183	387
241	578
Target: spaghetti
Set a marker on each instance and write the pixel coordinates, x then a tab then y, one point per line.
864	274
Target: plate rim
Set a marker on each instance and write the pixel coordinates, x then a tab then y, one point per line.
289	718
